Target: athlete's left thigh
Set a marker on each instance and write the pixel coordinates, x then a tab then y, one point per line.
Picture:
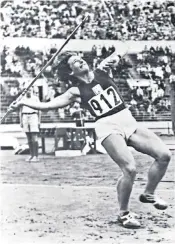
145	141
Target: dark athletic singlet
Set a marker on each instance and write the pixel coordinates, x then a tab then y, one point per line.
101	97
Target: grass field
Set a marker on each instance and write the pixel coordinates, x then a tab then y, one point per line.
73	200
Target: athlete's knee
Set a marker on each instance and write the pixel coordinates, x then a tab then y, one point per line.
164	157
130	171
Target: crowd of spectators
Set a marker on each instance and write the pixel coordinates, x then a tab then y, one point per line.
132	20
141	104
156	65
25	62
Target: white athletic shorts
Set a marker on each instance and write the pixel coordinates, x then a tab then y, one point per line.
121	123
30	122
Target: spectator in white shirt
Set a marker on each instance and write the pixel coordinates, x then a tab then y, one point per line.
160	92
30	122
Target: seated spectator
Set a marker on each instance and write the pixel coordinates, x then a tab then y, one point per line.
139	93
161	107
14	91
133	102
160	92
159	72
151	111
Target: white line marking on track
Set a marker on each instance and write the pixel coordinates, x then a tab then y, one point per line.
74	187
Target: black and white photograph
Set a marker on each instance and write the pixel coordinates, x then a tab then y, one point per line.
87	132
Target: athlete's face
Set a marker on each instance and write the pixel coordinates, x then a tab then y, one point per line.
78	65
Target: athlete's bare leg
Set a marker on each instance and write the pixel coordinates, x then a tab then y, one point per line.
117	149
145	141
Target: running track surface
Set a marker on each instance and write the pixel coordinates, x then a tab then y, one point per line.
73	200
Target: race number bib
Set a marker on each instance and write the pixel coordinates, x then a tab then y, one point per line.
105	101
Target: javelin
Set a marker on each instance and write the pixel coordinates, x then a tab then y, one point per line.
42	70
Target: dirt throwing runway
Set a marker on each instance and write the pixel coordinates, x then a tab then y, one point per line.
73	200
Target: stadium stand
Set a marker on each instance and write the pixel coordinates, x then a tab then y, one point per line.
152	71
133	20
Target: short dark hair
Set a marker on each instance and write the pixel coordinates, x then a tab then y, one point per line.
62	67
